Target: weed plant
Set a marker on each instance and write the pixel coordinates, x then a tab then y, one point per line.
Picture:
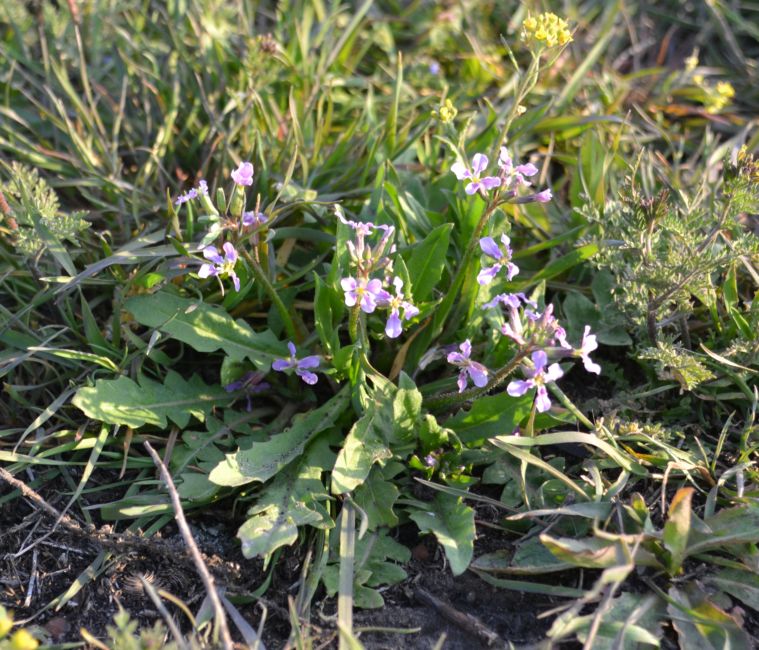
356	268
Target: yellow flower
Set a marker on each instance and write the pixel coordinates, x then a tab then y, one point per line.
447	112
545	30
23	640
6	621
725	89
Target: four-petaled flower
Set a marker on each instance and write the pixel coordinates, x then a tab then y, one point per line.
476	183
503	259
587	346
251	382
395	304
367	293
477	372
243	175
253	218
220	265
301	366
515	175
537	377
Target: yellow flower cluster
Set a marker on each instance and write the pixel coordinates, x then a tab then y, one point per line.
546	29
719	97
447	112
19	640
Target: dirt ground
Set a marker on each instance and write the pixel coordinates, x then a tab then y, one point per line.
38	567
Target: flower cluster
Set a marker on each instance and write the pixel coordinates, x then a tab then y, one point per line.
366	292
194	193
546	29
509	180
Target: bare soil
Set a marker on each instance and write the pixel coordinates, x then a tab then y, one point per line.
39	564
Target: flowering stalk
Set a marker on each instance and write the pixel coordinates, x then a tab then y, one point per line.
448	400
289	320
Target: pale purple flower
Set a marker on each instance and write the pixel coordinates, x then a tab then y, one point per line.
194	193
243	175
476	183
395	303
515	175
367	293
503	259
476	371
253	218
251	382
302	366
537	377
543	197
434	68
430	460
220	265
587	346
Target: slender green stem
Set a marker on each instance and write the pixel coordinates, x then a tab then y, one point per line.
567	403
353	322
447	400
296	333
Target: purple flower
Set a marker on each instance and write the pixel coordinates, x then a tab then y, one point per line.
430	460
367	293
477	372
479	163
538	377
503	259
543	197
251	383
434	68
243	175
301	365
220	265
194	193
587	346
253	218
515	175
395	304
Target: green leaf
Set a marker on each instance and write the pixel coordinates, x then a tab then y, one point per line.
530	558
427	260
265	459
123	401
205	328
740	584
730	526
490	416
388	426
292	499
677	528
376	497
596	553
452	523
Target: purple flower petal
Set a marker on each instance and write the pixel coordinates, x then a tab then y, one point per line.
490	248
281	364
291	348
211	253
460	170
543	197
393	327
590	365
553	373
461	381
526	170
312	361
517	388
206	270
235	280
456	358
511	270
478	373
487	274
409	311
230	253
504	159
542	401
309	377
472	188
466	348
479	163
243	175
540	359
489	182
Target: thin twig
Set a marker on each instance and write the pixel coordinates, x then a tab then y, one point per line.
200	565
